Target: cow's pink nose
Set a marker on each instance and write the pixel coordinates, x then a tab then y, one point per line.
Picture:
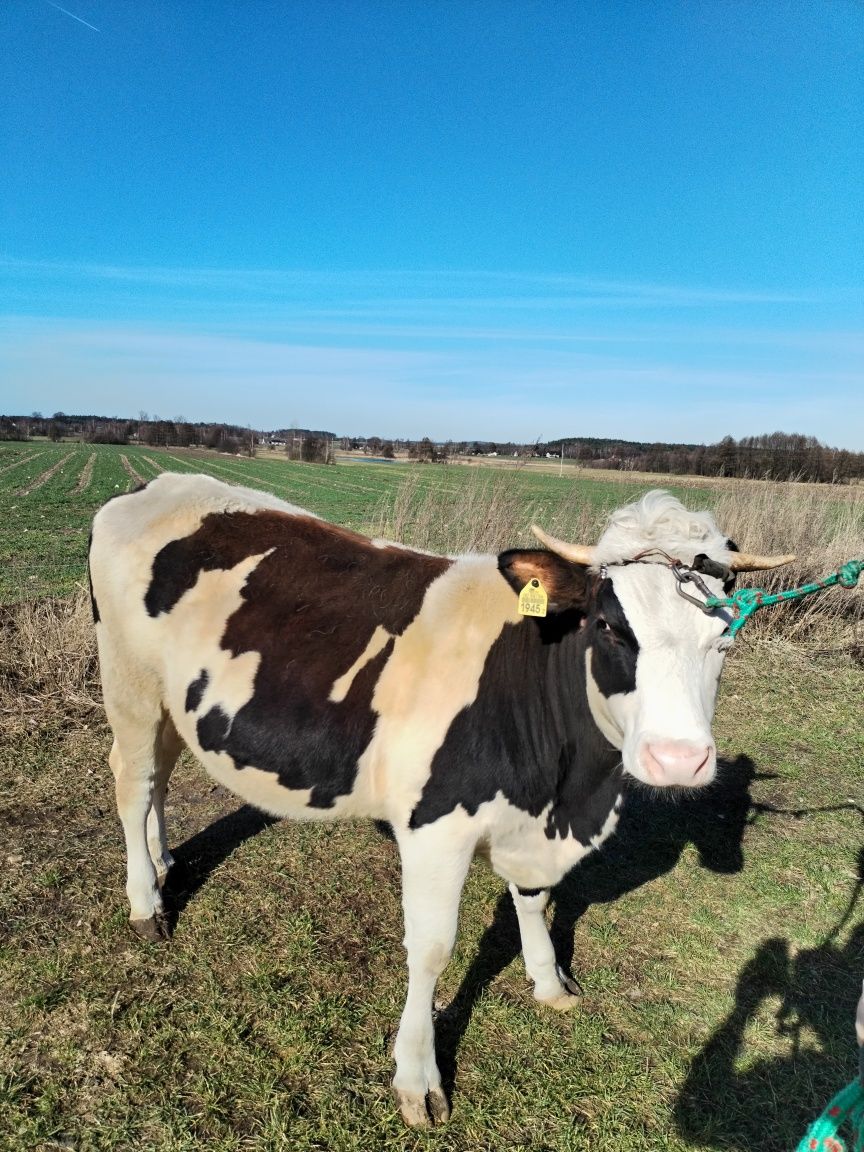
678	762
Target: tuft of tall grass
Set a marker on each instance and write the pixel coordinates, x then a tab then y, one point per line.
824	527
488	513
48	662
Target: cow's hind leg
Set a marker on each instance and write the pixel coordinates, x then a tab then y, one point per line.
166	753
134	757
434	866
551	986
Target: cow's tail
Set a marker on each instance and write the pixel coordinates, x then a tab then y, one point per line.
93	605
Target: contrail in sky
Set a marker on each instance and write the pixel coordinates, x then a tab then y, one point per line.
66	12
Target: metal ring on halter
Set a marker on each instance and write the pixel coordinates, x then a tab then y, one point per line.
688	576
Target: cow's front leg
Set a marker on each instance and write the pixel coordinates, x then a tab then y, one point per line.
551	985
434	865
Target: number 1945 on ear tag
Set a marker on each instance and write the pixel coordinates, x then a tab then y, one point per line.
533	599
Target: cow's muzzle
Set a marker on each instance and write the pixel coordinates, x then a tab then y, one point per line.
678	763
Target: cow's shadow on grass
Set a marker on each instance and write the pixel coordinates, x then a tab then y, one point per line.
770	1103
198	857
652	833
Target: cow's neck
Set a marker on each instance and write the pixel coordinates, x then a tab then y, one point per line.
529	735
589	774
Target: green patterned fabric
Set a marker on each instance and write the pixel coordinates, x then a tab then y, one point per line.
824	1134
746	601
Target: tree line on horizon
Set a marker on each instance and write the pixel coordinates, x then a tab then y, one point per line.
773	456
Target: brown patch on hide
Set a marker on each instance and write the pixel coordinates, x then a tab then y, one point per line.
310	608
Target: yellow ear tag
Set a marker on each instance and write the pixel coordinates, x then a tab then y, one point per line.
533	599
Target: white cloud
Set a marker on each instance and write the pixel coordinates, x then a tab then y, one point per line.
408	287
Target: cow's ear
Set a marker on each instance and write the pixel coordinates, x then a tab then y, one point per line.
566	584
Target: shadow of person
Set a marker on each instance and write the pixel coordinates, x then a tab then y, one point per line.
649	840
198	857
770	1103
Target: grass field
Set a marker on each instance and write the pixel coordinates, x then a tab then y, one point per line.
49	492
718	940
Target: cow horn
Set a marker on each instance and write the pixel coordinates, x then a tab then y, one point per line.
577	553
748	562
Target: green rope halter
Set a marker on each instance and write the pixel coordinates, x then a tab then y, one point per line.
847	1105
745	601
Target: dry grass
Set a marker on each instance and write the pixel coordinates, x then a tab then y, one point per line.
132	471
487	514
823	531
48	664
86	475
491	513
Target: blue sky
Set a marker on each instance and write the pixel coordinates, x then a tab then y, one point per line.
502	220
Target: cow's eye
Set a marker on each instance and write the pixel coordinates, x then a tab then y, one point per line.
603	625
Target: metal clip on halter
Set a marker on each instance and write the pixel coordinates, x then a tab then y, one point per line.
684	575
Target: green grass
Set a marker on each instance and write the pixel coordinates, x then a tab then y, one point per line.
717	1007
712	936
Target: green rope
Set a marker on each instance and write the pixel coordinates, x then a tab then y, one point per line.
746	601
823	1134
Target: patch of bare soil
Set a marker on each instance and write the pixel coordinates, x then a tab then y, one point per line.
154	463
86	476
136	476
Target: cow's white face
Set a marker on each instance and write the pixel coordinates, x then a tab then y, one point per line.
653	668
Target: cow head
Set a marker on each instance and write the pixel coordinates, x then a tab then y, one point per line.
653	658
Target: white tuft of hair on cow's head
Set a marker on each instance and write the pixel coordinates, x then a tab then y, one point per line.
659	520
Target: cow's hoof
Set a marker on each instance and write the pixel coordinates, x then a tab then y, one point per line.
562	1003
439	1106
154	928
567	996
412	1107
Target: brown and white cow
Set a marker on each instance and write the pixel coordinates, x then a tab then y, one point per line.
319	674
